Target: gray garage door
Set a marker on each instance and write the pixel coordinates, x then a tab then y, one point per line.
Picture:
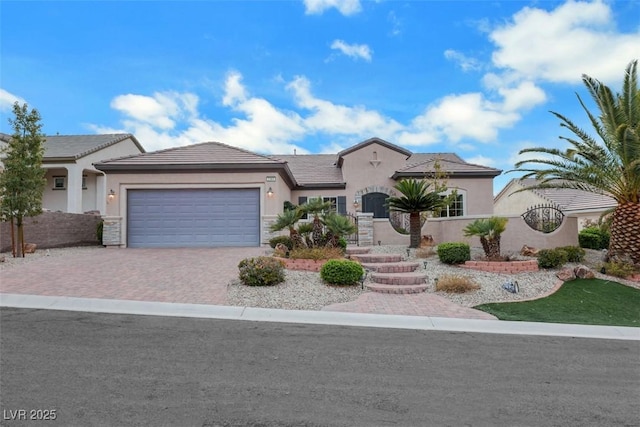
193	218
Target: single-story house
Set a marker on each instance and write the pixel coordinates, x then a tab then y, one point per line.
584	205
74	185
213	194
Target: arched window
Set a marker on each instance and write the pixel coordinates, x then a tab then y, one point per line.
374	203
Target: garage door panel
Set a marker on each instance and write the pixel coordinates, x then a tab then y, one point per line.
193	218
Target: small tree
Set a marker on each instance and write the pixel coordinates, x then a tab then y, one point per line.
315	206
489	230
416	198
22	180
337	226
288	220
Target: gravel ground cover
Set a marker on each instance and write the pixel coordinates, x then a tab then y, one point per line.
304	290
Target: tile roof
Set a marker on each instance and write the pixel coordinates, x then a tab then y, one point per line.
570	199
314	169
77	146
196	154
73	147
451	164
376	141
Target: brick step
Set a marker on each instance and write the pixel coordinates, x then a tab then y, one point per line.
399	278
354	250
396	289
377	258
392	267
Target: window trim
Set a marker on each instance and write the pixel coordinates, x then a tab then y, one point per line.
64	182
462	194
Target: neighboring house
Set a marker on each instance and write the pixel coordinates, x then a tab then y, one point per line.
584	205
212	194
74	185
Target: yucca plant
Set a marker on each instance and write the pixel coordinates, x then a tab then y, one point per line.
416	198
489	231
609	165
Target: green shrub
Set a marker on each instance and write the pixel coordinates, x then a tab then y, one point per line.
99	230
594	238
454	253
619	269
574	253
261	271
552	258
341	272
285	240
342	243
316	253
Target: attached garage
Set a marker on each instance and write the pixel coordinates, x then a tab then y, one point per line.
163	218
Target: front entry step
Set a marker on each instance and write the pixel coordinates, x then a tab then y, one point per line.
376	258
399	278
392	267
397	289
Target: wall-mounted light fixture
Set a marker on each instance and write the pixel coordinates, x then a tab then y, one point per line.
112	195
270	192
356	204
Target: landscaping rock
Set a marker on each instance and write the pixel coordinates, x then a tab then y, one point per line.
584	272
30	248
528	251
566	274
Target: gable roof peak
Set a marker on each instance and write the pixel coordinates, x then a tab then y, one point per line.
374	140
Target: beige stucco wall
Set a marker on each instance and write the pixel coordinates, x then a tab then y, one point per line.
511	203
270	206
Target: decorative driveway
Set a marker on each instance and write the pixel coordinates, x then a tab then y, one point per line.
195	276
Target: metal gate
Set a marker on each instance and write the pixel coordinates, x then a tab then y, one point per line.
352	239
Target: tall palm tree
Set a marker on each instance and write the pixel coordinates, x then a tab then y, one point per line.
416	198
288	220
609	165
315	206
489	230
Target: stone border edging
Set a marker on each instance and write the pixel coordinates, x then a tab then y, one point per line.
510	267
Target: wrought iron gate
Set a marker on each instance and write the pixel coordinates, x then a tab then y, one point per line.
544	218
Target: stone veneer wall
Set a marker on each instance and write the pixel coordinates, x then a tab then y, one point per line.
54	229
112	231
365	229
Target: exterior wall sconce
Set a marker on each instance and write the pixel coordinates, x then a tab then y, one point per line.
270	192
111	196
356	204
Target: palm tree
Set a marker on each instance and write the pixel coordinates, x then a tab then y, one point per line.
489	231
315	206
416	198
288	219
609	165
337	226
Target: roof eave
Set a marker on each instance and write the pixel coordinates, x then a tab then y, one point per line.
475	174
329	185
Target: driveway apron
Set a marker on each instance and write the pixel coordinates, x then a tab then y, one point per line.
197	276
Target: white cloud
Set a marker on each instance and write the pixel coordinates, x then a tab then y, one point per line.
333	119
160	110
355	51
396	25
578	37
7	99
481	160
466	63
345	7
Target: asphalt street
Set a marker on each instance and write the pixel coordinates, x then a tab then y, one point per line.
91	369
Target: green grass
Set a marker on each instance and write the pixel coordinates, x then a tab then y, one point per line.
581	301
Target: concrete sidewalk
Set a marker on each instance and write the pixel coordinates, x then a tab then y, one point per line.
317	317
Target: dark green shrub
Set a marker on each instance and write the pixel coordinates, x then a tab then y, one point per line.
574	253
551	258
342	243
594	238
454	252
99	230
341	272
285	240
261	271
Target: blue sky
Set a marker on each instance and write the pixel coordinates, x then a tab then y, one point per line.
477	78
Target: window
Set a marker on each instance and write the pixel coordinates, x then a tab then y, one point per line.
375	203
455	208
333	201
338	204
59	182
84	182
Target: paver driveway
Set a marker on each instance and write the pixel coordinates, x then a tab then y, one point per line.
197	276
192	276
